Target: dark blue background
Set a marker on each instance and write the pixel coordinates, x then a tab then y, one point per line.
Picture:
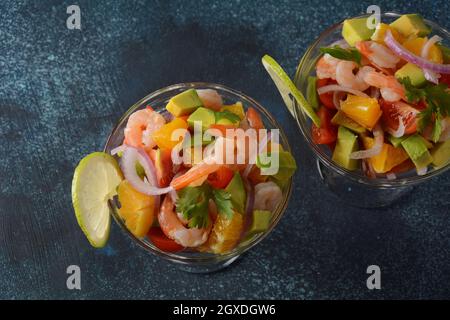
62	90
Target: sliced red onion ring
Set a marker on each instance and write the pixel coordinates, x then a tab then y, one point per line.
335	87
368	169
400	132
422	171
250	197
340	43
375	150
132	155
407	55
265	140
337	97
391	176
118	149
430	75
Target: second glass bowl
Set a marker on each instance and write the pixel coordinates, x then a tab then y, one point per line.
193	261
352	186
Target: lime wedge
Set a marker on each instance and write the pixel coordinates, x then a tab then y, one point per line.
288	89
94	182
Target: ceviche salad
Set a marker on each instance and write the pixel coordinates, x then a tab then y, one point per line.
173	182
380	98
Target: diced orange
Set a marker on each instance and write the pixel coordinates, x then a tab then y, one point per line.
225	234
163	136
415	45
365	111
137	209
380	33
388	158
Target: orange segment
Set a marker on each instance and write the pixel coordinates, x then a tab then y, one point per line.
137	209
388	158
415	45
225	233
163	136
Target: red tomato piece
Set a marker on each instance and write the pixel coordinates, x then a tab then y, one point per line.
160	240
221	178
327	98
392	112
327	133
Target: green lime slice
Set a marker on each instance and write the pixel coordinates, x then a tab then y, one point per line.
288	89
94	182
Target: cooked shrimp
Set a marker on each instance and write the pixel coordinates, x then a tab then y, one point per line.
210	99
326	67
267	196
390	89
377	54
346	78
174	229
141	124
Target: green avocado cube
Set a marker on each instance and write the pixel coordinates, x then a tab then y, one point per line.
205	116
238	193
416	147
184	103
260	222
413	72
441	154
411	25
286	165
396	142
355	30
347	143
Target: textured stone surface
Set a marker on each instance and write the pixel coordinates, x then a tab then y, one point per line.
62	90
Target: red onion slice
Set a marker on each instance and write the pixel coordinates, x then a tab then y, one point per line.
335	87
407	55
430	75
337	97
128	164
376	148
400	132
250	198
118	149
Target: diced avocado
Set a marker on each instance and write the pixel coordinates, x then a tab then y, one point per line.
260	222
396	142
445	53
414	73
238	194
340	119
237	109
311	92
417	150
184	103
355	30
203	115
411	25
227	118
347	142
441	154
286	165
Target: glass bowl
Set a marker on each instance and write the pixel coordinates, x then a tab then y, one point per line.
353	187
189	260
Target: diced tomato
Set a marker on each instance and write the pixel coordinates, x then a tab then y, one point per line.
256	177
254	119
149	108
445	78
221	178
160	240
392	112
326	98
403	167
162	159
327	133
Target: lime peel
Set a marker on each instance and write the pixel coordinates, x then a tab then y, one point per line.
94	182
287	89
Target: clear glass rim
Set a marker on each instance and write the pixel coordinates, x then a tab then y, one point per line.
208	257
305	127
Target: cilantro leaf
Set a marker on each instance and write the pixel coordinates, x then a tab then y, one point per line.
343	54
192	203
413	94
223	202
234	118
437	98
